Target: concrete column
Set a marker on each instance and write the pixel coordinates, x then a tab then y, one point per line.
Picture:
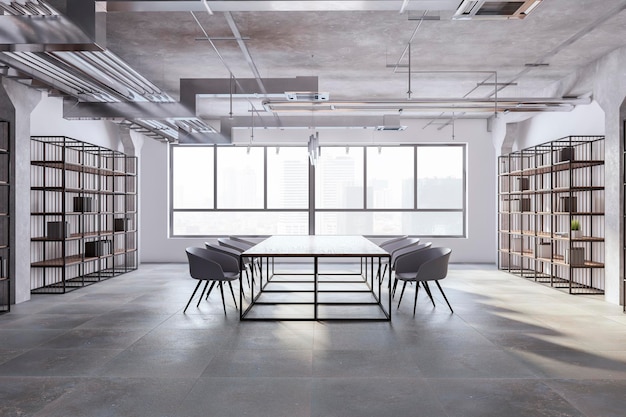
127	140
608	77
17	101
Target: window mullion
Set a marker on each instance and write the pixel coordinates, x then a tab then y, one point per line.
414	177
365	178
265	177
214	177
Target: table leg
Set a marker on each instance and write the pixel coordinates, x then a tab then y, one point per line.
389	287
241	287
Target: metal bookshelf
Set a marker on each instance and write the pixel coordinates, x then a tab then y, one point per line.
543	191
5	218
83	214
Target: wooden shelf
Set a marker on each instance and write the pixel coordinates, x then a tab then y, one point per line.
77	213
557	167
72	190
78	236
76	259
80	168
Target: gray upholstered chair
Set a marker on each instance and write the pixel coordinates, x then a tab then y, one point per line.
422	266
393	247
239	246
234	253
403	251
211	267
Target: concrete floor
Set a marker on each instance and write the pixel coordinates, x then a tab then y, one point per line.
123	348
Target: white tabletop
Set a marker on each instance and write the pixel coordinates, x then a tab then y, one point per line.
327	246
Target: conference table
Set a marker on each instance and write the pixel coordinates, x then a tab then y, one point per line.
328	285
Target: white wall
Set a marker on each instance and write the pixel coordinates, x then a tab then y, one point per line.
545	127
47	120
480	245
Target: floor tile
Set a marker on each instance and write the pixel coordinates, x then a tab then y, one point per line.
57	362
253	363
597	398
373	397
236	397
499	397
26	396
137	397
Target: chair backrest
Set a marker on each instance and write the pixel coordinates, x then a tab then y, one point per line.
233	244
236	255
392	247
209	265
391	243
408	249
248	240
384	241
201	266
427	264
224	249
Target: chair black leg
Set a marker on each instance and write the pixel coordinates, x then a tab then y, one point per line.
395	284
401	294
222	292
210	289
202	294
427	288
444	296
192	295
417	288
233	293
247	276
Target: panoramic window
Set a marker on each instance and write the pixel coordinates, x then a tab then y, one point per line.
386	190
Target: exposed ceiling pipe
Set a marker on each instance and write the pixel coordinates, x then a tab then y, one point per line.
432	104
221	58
286	6
31	63
244	49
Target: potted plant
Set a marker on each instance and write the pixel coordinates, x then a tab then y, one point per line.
575	229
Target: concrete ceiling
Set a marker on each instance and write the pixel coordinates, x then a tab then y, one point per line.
359	52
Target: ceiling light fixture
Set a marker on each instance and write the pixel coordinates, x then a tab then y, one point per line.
314	148
403	7
206	6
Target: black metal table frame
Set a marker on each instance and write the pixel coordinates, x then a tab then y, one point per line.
270	260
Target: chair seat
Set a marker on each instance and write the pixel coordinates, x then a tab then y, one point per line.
406	276
229	276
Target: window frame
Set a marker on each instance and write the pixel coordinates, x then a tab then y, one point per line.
312	210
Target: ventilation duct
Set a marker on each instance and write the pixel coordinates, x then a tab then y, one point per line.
502	9
391	122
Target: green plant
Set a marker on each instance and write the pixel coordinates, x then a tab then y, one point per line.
575	225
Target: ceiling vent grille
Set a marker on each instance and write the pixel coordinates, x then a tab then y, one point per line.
307	96
391	122
502	9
